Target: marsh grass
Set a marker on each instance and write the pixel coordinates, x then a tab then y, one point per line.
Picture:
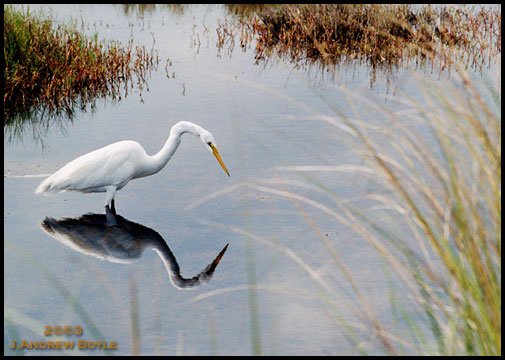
448	193
433	215
53	69
434	218
443	190
383	37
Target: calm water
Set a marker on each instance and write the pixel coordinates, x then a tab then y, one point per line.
264	119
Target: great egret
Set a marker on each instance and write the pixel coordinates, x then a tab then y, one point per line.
110	168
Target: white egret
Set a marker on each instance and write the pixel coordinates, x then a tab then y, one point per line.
110	168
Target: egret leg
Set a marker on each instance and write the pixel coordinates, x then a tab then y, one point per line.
109	196
110	216
110	209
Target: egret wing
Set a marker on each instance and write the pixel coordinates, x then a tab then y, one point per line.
110	165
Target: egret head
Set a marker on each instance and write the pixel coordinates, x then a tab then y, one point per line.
210	144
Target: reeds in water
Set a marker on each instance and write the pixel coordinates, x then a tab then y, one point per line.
54	68
447	191
442	189
383	37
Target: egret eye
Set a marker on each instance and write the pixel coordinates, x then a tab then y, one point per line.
209	143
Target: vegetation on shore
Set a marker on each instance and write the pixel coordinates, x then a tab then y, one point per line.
53	68
384	37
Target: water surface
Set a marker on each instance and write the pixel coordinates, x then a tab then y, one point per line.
264	119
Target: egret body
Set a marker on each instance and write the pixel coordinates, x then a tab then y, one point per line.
110	168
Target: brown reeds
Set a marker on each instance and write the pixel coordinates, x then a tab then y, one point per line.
385	37
55	69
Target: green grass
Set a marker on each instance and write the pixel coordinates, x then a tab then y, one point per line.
450	196
53	68
438	224
445	190
440	240
447	193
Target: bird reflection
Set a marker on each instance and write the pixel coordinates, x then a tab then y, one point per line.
91	234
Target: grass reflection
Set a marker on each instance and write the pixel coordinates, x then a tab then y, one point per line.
383	37
52	70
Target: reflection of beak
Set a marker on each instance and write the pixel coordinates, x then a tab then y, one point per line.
218	157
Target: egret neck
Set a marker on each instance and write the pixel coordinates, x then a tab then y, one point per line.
161	158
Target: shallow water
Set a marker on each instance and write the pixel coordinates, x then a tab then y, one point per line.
264	119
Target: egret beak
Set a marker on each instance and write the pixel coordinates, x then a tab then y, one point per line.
218	157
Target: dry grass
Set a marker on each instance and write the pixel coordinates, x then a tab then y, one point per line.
383	37
54	68
444	188
449	195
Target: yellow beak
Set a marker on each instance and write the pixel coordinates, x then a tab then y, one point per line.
218	157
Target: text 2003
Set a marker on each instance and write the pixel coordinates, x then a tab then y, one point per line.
62	330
